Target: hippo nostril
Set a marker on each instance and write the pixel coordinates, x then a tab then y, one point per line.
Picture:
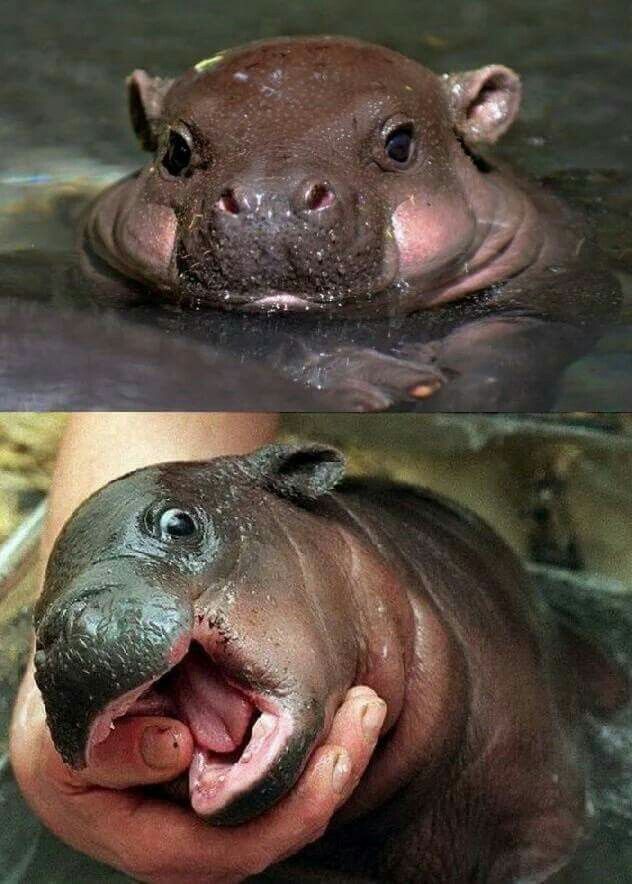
319	196
229	203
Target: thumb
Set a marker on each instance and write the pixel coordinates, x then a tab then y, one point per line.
139	752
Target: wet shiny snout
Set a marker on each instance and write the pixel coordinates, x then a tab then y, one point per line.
100	639
306	235
317	199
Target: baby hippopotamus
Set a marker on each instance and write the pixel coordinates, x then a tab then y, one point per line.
246	595
323	174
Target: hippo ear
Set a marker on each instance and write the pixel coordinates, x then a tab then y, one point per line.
146	96
298	472
483	103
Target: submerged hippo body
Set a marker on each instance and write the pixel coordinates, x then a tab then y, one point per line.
327	177
246	596
323	174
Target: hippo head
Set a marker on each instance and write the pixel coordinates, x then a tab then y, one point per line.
202	591
313	174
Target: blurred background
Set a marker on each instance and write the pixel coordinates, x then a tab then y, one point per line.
63	65
62	83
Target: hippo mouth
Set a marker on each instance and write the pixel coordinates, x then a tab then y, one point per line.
281	282
274	301
245	755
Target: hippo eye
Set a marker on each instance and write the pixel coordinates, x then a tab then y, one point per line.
176	523
177	157
399	144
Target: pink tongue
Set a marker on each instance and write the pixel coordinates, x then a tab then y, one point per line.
217	714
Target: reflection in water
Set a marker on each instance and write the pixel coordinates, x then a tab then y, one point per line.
497	351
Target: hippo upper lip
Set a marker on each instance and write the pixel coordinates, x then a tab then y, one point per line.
194	690
203	280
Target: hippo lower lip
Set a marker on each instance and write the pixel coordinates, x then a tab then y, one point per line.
239	734
279	301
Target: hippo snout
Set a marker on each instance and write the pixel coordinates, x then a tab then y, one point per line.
295	235
317	199
98	644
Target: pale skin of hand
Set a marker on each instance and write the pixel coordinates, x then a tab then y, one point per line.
99	811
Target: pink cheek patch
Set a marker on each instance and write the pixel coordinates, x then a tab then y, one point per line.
146	235
431	234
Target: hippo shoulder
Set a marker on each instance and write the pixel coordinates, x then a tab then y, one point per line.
406	502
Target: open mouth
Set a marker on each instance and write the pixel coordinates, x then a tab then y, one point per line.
239	735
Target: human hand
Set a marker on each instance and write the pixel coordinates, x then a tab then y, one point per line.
102	812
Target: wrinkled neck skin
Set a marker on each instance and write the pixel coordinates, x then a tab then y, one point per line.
411	660
461	762
441	244
116	232
429	724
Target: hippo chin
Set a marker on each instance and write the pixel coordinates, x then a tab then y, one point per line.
246	595
320	174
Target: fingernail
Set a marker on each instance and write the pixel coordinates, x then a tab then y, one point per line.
372	719
341	772
360	692
159	747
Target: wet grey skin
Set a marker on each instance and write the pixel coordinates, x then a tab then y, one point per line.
285	584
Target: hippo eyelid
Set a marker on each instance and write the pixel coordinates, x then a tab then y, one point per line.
394	127
395	122
183	130
189	131
153	516
178	151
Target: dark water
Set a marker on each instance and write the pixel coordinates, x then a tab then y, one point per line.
65	134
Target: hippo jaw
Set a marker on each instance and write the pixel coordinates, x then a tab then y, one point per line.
251	740
249	746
